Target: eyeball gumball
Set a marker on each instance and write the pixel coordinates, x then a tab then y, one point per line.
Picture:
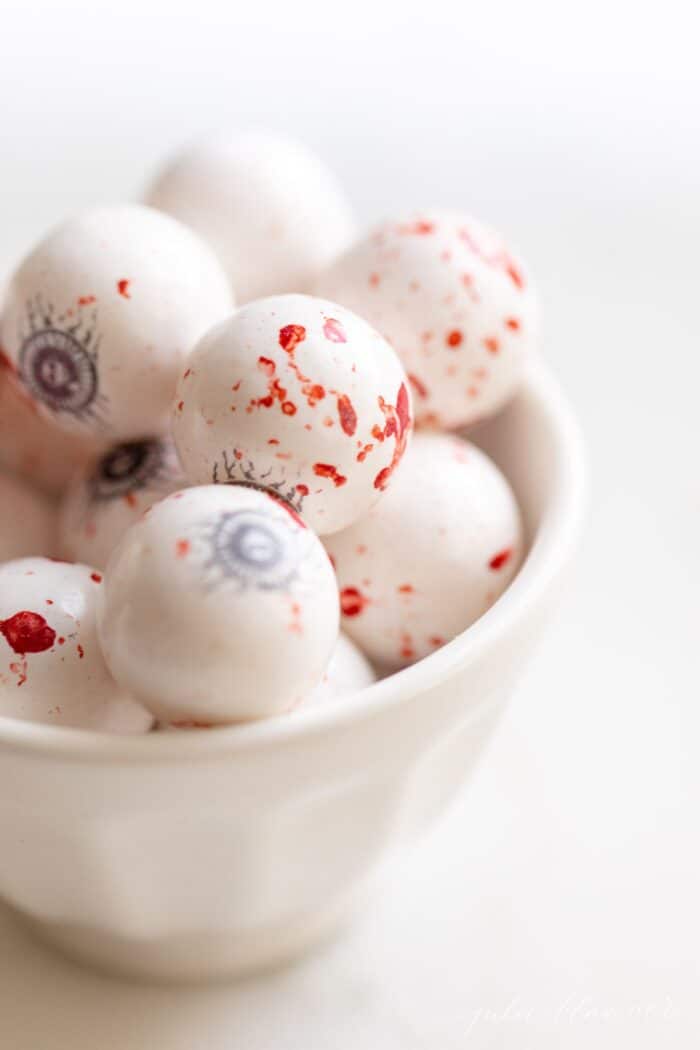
27	521
219	606
298	396
432	557
51	665
112	494
270	209
457	305
348	672
99	316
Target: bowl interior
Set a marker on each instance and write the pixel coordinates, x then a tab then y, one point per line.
536	442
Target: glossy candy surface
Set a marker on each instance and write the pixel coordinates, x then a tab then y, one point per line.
270	208
98	318
112	494
51	666
432	557
298	395
453	300
348	672
219	606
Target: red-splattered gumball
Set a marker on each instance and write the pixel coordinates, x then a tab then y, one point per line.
27	521
457	305
112	494
433	556
219	606
299	396
99	316
271	210
348	672
51	665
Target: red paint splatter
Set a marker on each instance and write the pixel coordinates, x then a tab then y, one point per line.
398	423
352	601
49	601
286	506
418	385
326	470
405	588
180	406
20	669
501	559
513	272
420	227
333	330
123	288
436	641
492	344
289	408
363	453
96	577
382	479
237	386
501	260
182	548
86	300
374	280
313	392
513	323
61	641
290	336
303	490
187	373
347	415
81	652
130	499
267	366
273	441
453	338
296	626
27	632
403	409
407	651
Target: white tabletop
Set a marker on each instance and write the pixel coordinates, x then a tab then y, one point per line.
557	904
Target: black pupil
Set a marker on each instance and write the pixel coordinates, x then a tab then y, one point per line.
124	461
55	371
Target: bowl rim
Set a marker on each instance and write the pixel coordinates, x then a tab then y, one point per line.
554	541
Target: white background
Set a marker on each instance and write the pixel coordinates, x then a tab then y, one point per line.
557	905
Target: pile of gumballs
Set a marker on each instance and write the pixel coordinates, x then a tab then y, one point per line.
207	457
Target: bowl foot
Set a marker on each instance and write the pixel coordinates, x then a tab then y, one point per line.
195	957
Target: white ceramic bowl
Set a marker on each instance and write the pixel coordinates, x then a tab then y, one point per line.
201	853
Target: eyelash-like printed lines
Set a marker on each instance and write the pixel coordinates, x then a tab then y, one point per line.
58	360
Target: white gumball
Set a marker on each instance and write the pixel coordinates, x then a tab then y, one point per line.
51	665
219	606
269	207
432	557
27	521
458	306
348	672
107	498
100	315
300	396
